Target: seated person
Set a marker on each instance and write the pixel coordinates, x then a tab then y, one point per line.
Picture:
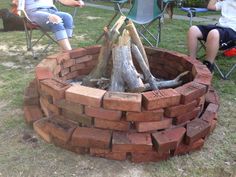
46	15
214	35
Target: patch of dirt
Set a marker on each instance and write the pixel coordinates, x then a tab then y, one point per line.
93	18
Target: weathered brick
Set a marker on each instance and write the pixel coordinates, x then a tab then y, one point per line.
112	125
43	73
106	114
183	148
70	75
168	139
48	63
122	101
196	130
32	113
50	107
93	49
150	156
81	119
31	95
64	72
61	129
131	142
180	109
54	87
77	67
105	153
145	116
83	59
85	95
79	52
191	91
152	126
160	99
41	128
68	63
43	105
187	116
91	137
212	96
62	57
70	106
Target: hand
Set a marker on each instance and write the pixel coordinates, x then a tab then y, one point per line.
54	19
80	3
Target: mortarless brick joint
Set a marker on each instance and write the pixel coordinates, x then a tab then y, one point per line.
141	127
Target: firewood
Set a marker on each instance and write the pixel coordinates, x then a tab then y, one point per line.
136	40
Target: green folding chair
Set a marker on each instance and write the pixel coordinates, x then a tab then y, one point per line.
144	13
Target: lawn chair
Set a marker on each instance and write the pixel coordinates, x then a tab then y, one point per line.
144	14
31	26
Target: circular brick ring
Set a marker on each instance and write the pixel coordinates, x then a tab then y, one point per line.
141	127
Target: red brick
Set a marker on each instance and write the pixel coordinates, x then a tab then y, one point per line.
48	63
70	106
41	128
196	130
103	113
168	139
180	109
160	99
83	59
43	105
61	129
191	91
95	49
85	95
151	126
32	113
155	115
81	119
213	126
70	75
68	63
187	116
212	108
112	125
122	101
183	148
212	96
208	116
150	156
54	87
203	79
105	153
57	70
49	107
79	52
31	95
91	137
131	142
77	67
43	73
62	57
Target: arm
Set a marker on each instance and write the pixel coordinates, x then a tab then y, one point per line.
212	5
72	3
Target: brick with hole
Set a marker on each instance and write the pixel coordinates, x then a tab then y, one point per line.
32	114
101	113
106	153
145	116
91	137
178	110
196	130
167	140
184	149
160	99
149	156
153	125
112	125
54	87
187	116
191	91
131	142
122	101
85	95
41	128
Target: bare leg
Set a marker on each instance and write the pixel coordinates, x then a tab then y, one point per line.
212	45
64	44
192	40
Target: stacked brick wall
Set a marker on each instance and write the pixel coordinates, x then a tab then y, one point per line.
141	127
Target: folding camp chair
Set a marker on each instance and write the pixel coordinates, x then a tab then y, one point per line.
31	26
144	14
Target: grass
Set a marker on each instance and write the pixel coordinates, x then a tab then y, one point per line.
19	157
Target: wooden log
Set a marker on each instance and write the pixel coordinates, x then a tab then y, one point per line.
136	40
146	71
105	52
124	72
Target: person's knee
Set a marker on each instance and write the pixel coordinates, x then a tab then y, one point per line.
214	35
194	32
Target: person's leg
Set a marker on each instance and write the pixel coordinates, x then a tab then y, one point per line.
193	35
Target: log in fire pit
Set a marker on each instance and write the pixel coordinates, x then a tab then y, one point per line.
147	125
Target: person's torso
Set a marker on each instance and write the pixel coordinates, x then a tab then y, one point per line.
34	4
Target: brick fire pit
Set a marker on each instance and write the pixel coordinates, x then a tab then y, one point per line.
149	126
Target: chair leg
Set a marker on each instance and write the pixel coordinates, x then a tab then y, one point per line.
225	76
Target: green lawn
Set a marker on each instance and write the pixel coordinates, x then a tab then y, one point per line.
19	157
